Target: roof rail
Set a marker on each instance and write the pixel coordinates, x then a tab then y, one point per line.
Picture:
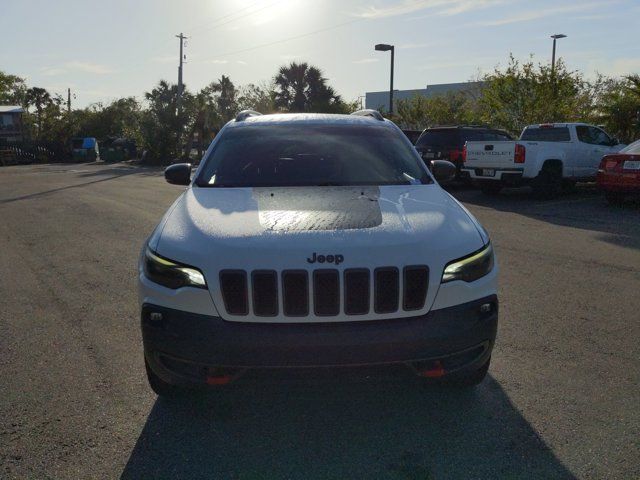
369	113
244	114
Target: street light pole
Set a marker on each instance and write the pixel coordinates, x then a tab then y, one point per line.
382	47
553	54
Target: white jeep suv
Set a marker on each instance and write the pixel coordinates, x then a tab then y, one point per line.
315	240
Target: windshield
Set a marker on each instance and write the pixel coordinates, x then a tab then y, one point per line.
634	148
307	155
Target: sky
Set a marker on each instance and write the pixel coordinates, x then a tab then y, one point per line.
108	49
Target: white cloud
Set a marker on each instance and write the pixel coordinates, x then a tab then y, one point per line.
529	15
366	60
217	62
442	7
241	62
76	66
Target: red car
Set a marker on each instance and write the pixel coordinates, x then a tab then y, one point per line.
619	173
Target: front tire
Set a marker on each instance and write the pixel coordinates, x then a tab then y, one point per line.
614	198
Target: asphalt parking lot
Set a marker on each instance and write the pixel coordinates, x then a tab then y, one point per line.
562	399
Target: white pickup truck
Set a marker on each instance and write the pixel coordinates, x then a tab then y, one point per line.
547	156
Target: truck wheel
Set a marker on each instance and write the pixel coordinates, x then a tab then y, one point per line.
548	183
568	186
159	386
491	188
614	198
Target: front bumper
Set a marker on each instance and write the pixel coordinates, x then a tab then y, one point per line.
185	347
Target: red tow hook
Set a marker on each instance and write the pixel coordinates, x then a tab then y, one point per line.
436	371
218	379
222	376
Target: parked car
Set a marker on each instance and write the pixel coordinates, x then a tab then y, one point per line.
412	135
315	240
547	156
448	142
619	174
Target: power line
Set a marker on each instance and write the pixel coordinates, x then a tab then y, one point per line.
235	15
277	42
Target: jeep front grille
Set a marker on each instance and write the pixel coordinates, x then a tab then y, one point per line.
331	292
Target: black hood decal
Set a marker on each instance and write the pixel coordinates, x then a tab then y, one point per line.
318	208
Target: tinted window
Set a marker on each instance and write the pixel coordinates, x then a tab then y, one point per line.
305	155
593	135
546	134
599	137
634	148
439	138
484	136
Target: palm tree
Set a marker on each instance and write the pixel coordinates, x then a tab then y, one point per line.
302	88
226	101
38	98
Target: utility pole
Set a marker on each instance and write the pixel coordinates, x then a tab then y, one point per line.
180	87
69	101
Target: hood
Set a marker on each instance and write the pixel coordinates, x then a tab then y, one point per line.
290	227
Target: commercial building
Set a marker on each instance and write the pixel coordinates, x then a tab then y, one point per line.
11	128
380	100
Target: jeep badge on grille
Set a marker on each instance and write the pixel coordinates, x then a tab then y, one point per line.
337	259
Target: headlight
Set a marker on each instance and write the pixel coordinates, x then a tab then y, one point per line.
470	268
171	274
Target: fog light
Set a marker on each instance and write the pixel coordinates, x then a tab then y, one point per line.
155	316
485	308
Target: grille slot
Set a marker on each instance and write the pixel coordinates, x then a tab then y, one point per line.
387	289
233	284
416	282
265	293
295	289
326	293
356	291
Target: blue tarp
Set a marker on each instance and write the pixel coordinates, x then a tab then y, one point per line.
89	142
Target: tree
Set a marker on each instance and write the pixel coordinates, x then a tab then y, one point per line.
260	98
226	100
419	112
302	88
160	124
525	93
617	106
39	99
12	89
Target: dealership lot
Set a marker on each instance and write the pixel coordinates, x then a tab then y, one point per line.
561	400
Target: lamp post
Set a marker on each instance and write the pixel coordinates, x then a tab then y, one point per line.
555	37
383	47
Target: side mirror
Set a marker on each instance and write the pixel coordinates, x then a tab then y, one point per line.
178	174
443	170
615	141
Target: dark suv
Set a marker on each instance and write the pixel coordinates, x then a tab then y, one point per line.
448	142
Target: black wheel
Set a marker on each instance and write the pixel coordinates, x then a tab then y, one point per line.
568	185
159	386
548	183
490	188
614	198
469	379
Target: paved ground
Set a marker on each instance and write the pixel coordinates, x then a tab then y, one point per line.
562	400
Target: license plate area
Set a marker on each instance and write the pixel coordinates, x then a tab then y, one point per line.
488	172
